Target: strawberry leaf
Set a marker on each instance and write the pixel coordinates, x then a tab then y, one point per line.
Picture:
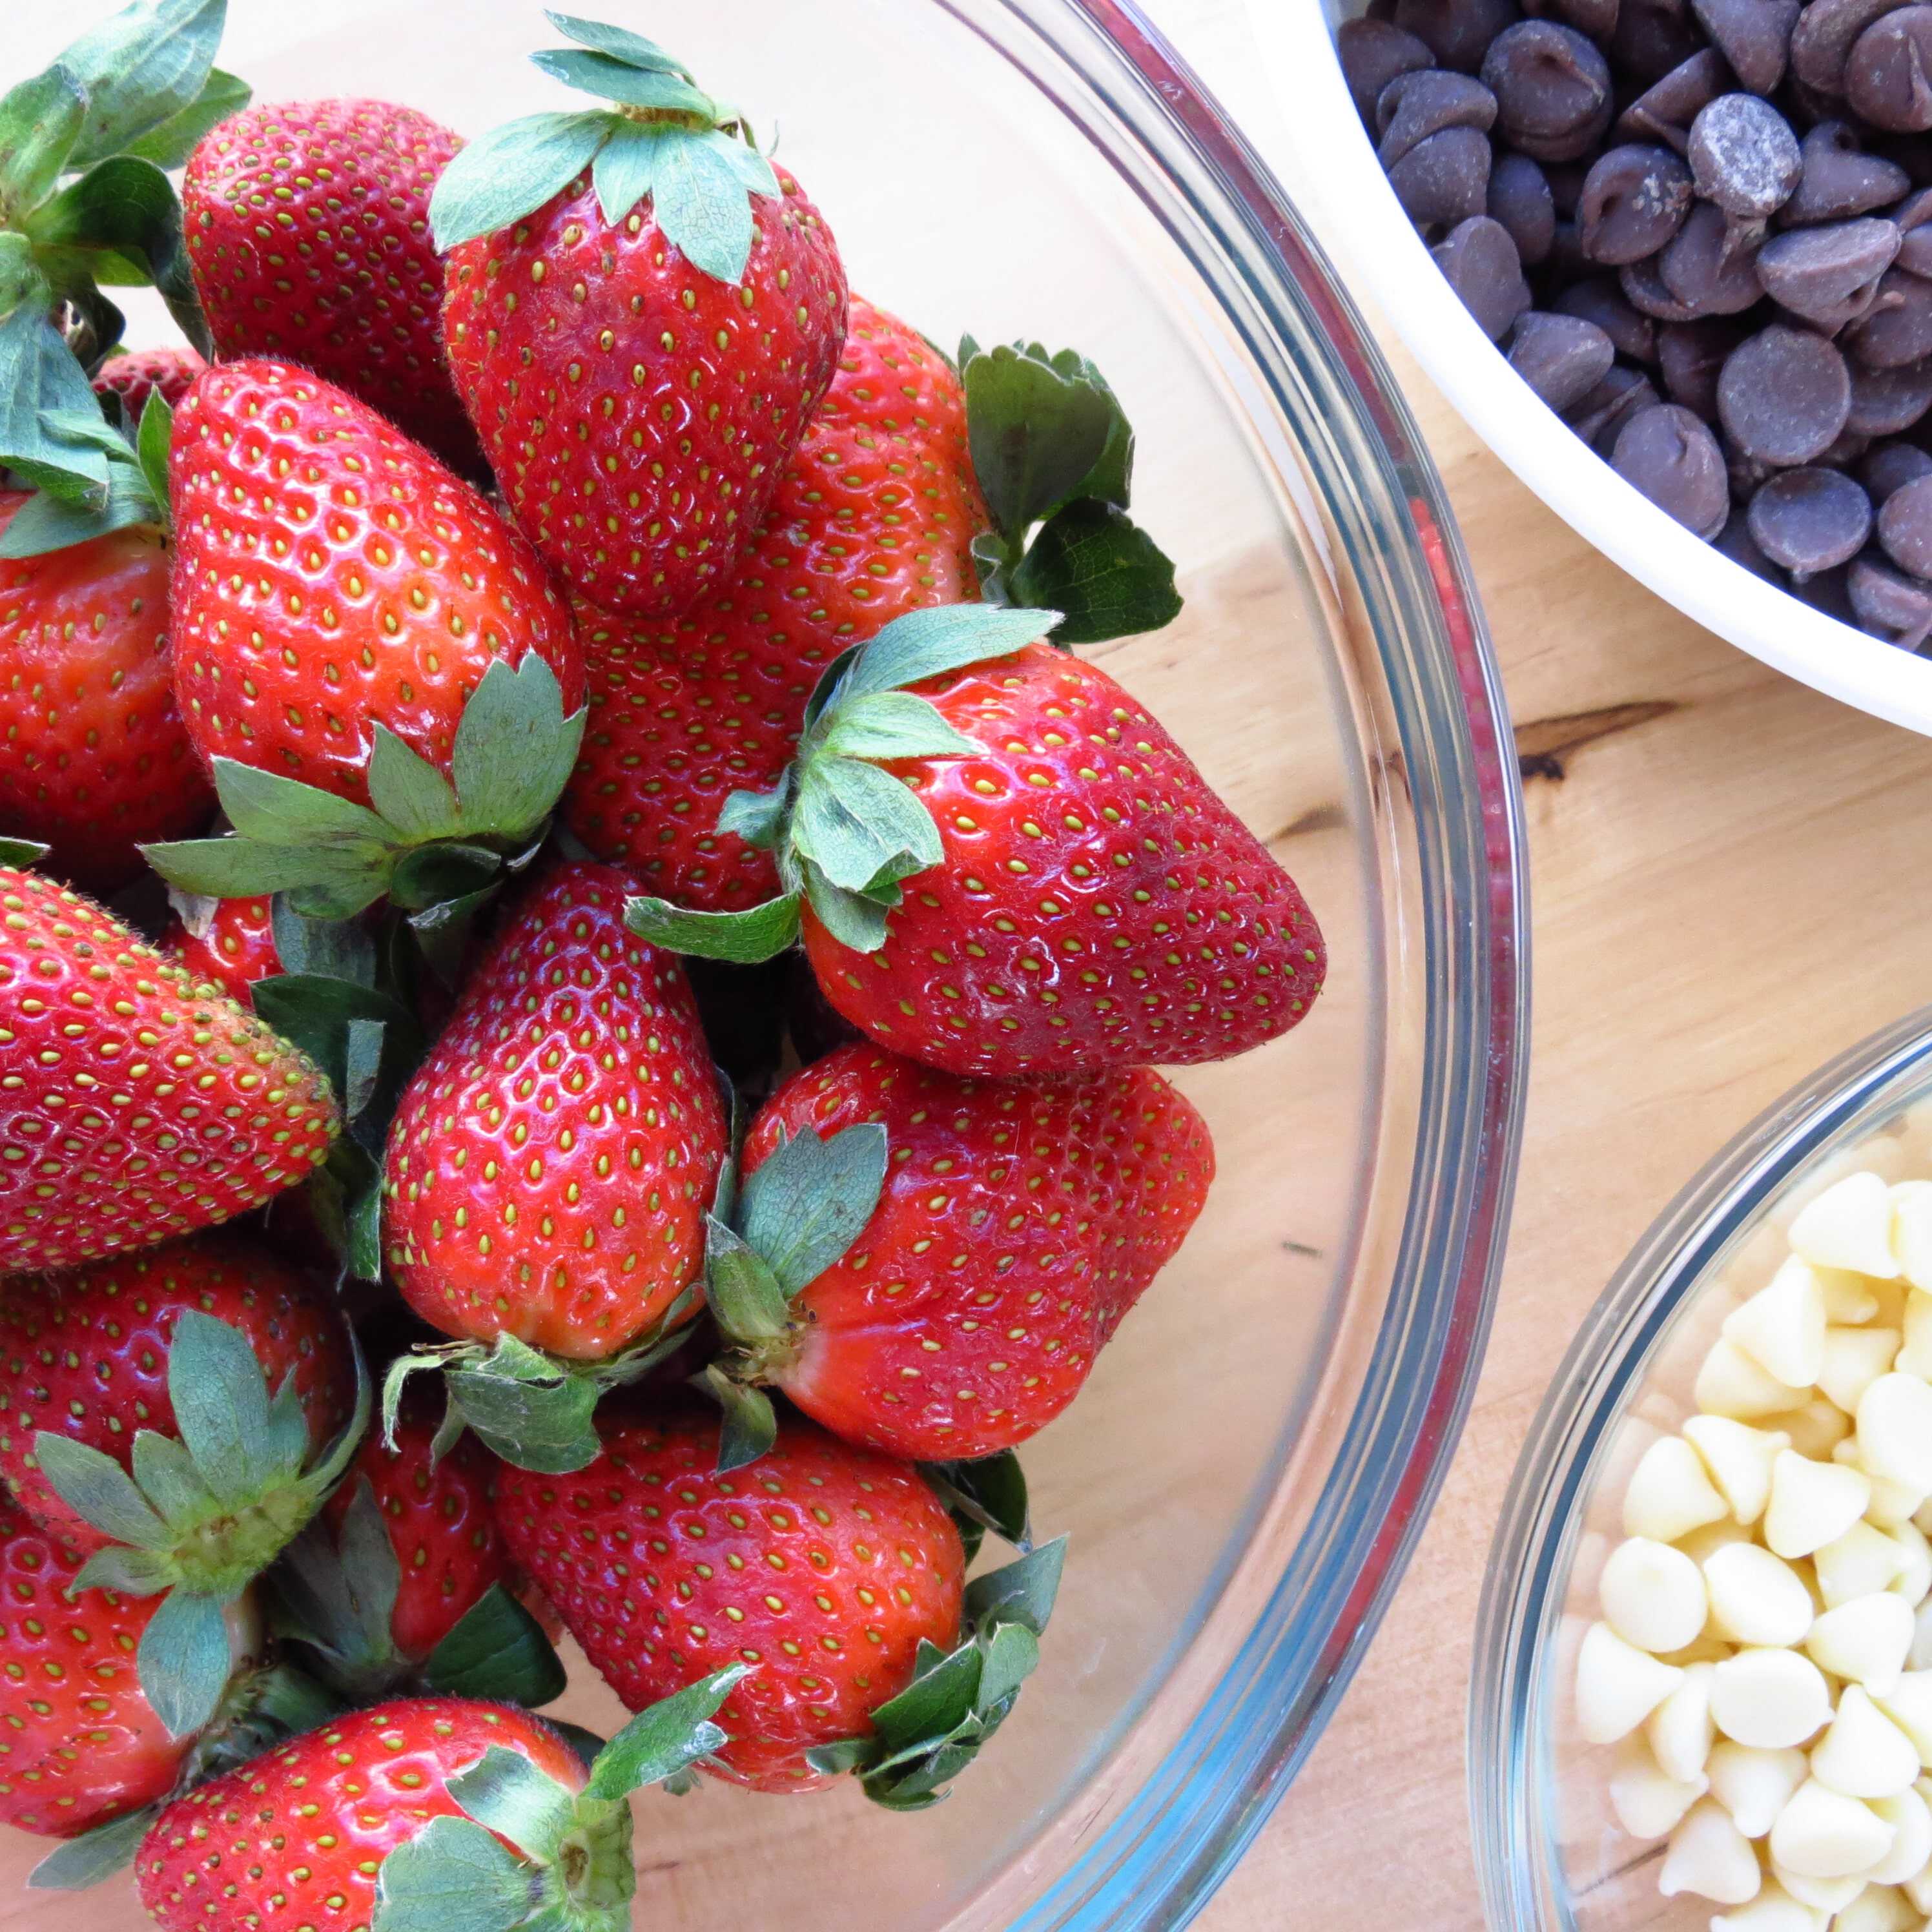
528	1409
22	852
167	1476
620	43
750	1424
762	932
988	1493
183	1660
623	171
95	1854
744	1294
152	439
99	1491
611	80
40	379
277	811
660	1741
701	204
44	523
1106	576
20	281
758	818
506	1793
334	1596
851	918
889	724
333	949
408	791
221	1406
366	1042
853	821
140	68
930	643
514	749
510	172
810	1199
169	143
499	1651
1021	1593
40	122
1034	434
334	880
452	1873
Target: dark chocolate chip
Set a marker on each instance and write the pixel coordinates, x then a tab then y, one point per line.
1809	520
1913	218
1643	289
1887	466
1456	31
1670	455
1601	301
1634	200
1652	38
1710	267
1690	356
1752	35
1665	111
1844	450
1372	53
1783	395
1821	42
1884	401
1829	275
1479	261
1738	543
1520	199
1840	180
1905	526
1890	606
1743	156
1597	18
1415	106
1602	414
1827	593
1560	357
1747	474
1897	328
1444	179
1886	76
1551	87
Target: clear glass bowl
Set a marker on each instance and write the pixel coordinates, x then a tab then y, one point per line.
1550	1854
1244	1477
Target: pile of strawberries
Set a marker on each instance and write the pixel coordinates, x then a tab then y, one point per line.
663	951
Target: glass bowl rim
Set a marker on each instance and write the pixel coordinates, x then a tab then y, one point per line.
1603	1369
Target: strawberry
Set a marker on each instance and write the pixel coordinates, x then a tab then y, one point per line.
550	1165
307	224
229	942
825	1569
352	616
138	1105
642	315
875	514
452	1810
1003	1231
94	757
1009	869
135	374
242	1386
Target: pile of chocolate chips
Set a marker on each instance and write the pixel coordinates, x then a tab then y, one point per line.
1701	230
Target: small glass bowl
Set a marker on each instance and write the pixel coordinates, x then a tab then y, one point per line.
1550	1854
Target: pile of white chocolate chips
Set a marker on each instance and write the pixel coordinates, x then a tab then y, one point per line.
1763	1659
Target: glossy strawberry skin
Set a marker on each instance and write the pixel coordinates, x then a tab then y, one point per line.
874	516
94	760
79	1743
234	948
86	1354
308	226
135	374
281	1841
837	1562
1097	906
329	574
551	1164
438	1516
147	1105
599	367
1018	1226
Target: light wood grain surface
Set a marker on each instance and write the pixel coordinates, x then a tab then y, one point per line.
1727	888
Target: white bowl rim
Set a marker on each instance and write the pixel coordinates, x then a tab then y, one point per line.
1340	182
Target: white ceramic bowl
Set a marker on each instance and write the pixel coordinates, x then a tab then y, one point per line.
1340	185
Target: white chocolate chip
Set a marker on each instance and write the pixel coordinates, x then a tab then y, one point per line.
1731	1384
1782	1327
1812	1504
1679	1731
1824	1895
1911	1821
1823	1834
1855	1358
1756	1598
1911	1231
1914	1354
1915	1580
1850	1298
1709	1856
1863	1754
1669	1493
1618	1686
1863	1560
1769	1698
1849	1226
1815	1429
1895	1425
1647	1800
1773	1910
1908	1705
1864	1641
1653	1595
1702	1543
1919	1889
1737	1459
1753	1786
1879	1908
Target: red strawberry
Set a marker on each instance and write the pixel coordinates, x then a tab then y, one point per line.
138	1105
1016	1227
364	1820
79	1743
822	1566
437	1514
551	1164
874	515
307	225
93	758
640	366
135	374
229	942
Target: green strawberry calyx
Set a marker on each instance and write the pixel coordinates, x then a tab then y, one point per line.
85	204
663	136
1053	453
845	832
924	1738
200	1516
137	482
332	1597
437	846
260	1708
20	854
571	1870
